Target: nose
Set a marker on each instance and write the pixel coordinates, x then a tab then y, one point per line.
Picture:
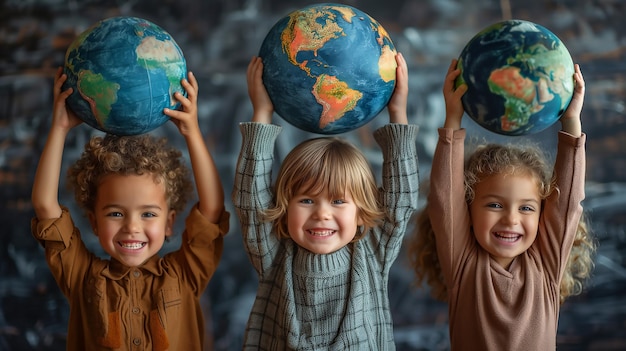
511	217
131	224
322	210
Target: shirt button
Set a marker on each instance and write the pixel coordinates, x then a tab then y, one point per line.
136	274
136	341
135	310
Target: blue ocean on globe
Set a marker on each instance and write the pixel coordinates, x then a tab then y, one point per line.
124	72
519	76
328	68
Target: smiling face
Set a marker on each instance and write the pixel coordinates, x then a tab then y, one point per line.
131	217
505	215
322	224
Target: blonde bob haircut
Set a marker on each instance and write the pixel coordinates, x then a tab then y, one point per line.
330	165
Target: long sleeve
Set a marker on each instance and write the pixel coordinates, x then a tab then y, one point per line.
153	304
252	192
399	190
335	301
520	302
563	209
446	200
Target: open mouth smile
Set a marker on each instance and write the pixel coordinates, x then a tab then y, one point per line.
136	245
321	233
507	237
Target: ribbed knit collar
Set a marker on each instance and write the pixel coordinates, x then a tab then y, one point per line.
308	263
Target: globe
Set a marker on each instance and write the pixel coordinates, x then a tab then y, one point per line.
328	68
519	77
124	72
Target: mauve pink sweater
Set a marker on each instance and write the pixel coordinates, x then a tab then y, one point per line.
491	308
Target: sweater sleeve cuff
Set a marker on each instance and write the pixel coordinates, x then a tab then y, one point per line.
259	136
395	138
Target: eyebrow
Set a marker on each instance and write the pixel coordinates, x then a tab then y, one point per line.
497	197
143	207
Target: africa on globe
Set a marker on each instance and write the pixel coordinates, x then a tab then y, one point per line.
124	71
519	77
328	68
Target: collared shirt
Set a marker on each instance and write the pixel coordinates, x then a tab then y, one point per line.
154	306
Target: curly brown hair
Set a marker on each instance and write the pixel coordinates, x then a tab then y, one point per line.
496	159
129	155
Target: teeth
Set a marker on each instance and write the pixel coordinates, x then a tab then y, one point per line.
132	246
507	237
321	233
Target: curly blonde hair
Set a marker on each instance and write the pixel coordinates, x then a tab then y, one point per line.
325	164
129	155
497	159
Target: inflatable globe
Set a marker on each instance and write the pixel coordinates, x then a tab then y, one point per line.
328	68
124	72
519	76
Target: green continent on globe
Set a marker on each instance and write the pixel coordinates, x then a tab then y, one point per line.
124	71
155	54
527	95
519	77
99	93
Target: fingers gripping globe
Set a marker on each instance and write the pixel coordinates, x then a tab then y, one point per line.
328	68
124	71
519	77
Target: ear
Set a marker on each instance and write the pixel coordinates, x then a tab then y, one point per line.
169	225
93	222
359	218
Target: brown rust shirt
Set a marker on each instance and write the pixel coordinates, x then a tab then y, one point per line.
154	306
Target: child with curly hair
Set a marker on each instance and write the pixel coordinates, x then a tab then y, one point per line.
131	188
324	238
501	239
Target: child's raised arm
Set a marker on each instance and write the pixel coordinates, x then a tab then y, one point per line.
45	193
398	103
206	176
452	97
261	103
571	120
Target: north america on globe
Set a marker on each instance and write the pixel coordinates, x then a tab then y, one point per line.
311	73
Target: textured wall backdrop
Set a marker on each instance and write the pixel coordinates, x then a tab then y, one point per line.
218	38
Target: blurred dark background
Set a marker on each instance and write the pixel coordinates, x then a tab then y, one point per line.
218	38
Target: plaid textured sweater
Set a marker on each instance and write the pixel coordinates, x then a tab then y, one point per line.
337	301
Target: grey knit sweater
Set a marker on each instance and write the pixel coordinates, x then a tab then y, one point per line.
336	301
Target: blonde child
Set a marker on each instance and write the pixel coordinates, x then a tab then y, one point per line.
323	239
496	235
132	189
